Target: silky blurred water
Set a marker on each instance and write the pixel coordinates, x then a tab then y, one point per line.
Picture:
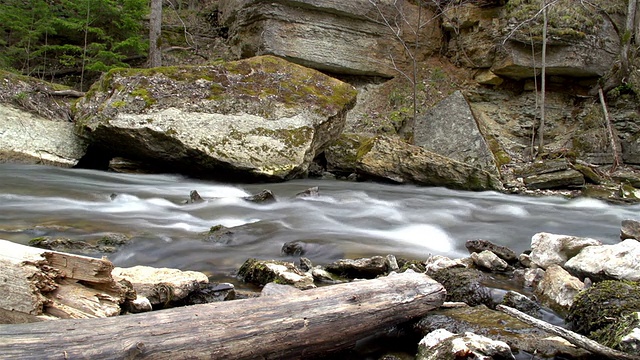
348	219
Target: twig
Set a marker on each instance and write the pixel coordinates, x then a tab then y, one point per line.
574	338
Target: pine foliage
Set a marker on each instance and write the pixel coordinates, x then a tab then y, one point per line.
48	37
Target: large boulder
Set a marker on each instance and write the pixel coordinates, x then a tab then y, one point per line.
389	158
262	117
619	262
552	249
450	129
329	35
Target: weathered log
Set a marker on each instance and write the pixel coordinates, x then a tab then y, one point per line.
315	322
44	282
572	337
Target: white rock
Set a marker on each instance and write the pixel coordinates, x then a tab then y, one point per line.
442	344
558	288
620	261
549	249
488	260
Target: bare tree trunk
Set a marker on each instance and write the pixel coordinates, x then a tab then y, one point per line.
617	158
155	28
311	323
543	81
84	50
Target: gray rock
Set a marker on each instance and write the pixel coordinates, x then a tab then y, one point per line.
558	288
211	293
617	262
263	197
464	285
366	268
450	129
392	159
555	180
502	252
549	249
310	192
439	262
521	302
529	277
489	261
444	345
262	118
31	139
279	290
630	229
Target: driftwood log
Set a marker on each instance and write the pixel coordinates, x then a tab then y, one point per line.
315	322
48	283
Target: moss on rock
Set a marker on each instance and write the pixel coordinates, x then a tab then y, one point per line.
603	305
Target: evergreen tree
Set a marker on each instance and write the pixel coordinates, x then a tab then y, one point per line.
70	35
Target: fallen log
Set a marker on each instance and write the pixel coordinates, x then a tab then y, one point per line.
314	322
54	284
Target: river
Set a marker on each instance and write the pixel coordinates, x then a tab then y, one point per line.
347	219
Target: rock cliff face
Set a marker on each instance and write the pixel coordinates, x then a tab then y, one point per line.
263	117
345	37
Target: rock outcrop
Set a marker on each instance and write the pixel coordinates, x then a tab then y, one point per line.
335	36
35	126
262	118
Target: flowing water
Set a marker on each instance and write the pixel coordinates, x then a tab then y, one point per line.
347	219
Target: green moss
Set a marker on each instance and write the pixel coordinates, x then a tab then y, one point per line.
215	228
566	20
603	305
37	241
365	148
501	156
144	94
118	104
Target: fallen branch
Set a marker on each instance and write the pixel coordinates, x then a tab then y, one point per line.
314	322
574	338
617	159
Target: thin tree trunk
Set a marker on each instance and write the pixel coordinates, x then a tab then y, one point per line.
84	50
155	27
627	36
617	159
543	81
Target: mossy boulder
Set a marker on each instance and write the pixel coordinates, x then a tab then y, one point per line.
262	272
262	118
464	285
603	311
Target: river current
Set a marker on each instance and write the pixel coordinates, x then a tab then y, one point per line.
347	219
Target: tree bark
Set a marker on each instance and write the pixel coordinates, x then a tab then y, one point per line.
315	322
543	82
43	282
155	28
